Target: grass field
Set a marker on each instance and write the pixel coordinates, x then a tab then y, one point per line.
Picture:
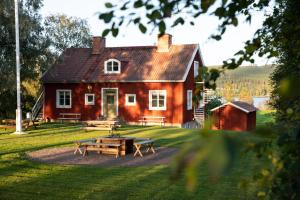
21	178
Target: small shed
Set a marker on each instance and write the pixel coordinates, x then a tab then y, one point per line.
236	115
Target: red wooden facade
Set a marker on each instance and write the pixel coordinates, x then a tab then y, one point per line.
230	117
176	112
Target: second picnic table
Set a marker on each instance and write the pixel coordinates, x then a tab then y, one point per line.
109	125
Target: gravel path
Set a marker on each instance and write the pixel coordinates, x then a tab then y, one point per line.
65	155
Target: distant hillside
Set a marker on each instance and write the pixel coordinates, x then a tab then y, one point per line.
245	82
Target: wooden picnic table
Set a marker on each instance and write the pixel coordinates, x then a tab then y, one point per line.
126	143
102	125
143	142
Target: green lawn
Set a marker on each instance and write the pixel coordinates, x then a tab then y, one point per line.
24	179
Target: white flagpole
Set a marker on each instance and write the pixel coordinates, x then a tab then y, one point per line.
18	111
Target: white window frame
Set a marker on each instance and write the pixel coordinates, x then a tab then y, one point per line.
196	66
164	92
189	99
112	72
58	102
127	103
86	102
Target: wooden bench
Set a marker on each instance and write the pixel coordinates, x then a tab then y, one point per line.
101	125
69	116
143	142
107	147
79	143
154	119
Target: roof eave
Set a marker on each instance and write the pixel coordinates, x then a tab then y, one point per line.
232	104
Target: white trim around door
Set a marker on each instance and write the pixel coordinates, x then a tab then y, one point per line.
117	100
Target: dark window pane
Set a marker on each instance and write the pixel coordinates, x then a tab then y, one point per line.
61	95
109	66
131	99
116	66
67	102
90	98
154	103
161	103
161	97
110	99
61	101
154	96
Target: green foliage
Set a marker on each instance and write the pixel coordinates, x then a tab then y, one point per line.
40	46
33	46
66	32
213	103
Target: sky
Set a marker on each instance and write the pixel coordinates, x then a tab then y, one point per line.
213	52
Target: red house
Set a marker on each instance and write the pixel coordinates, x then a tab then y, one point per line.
124	82
236	115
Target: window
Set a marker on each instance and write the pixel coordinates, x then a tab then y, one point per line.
196	68
130	99
189	99
112	66
157	99
89	99
63	98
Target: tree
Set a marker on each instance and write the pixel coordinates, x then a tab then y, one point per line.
279	37
213	103
32	44
40	46
65	32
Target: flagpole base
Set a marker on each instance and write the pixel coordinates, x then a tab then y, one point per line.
19	133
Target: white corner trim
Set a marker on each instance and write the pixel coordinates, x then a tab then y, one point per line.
86	99
189	104
57	98
190	64
127	103
164	92
229	103
112	72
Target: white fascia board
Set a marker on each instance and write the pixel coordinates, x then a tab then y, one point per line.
190	64
229	103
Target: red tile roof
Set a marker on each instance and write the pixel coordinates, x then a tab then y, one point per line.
137	64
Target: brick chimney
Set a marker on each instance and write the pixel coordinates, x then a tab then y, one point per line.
98	45
164	42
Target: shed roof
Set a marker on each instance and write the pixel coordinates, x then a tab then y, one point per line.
244	106
138	64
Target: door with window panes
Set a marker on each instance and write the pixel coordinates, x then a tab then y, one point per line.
110	103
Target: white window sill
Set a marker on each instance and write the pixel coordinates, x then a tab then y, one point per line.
63	107
157	108
131	104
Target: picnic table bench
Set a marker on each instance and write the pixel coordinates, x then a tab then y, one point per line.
155	119
107	147
69	116
143	142
79	144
